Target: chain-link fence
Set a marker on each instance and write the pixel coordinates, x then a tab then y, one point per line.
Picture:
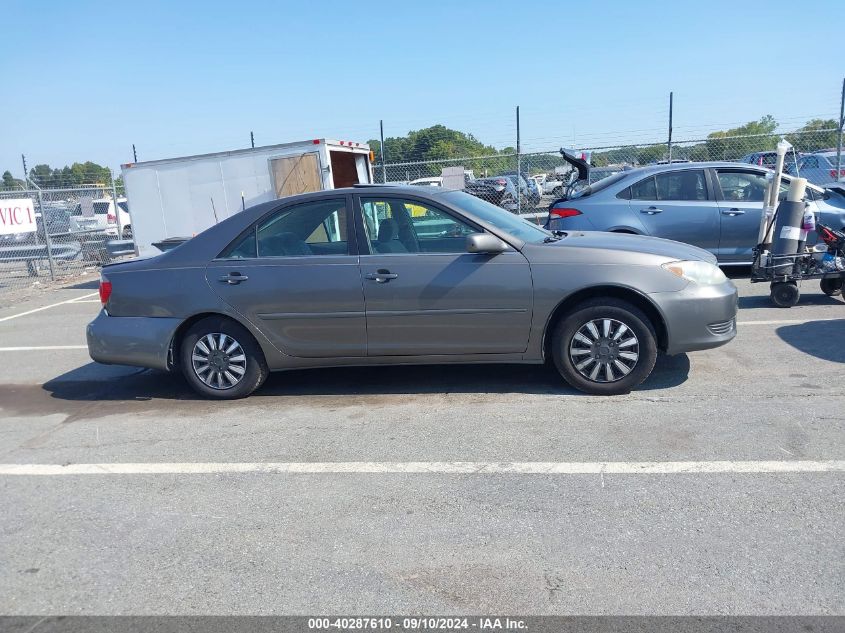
54	234
544	174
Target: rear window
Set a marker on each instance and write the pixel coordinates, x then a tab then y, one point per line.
604	183
101	208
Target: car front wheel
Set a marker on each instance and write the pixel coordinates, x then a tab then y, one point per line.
220	359
604	347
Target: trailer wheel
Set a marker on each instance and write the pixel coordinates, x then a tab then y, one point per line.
832	286
785	294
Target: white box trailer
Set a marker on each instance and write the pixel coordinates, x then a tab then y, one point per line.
180	197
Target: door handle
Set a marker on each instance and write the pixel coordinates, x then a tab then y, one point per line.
233	278
651	211
733	212
382	276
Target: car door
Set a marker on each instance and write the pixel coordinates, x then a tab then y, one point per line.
425	295
294	274
740	194
676	205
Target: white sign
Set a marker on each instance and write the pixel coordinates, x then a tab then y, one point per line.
17	216
453	177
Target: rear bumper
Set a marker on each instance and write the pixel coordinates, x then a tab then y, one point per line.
698	317
138	341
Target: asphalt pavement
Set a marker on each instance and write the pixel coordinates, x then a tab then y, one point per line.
358	531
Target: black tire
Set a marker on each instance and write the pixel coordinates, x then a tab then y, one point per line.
254	365
127	232
832	286
565	347
785	294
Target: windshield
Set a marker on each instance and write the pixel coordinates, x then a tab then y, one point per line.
498	217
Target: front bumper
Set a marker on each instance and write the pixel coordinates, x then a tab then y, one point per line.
698	317
138	341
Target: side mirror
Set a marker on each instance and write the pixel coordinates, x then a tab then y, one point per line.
485	243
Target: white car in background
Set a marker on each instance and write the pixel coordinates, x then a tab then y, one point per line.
105	218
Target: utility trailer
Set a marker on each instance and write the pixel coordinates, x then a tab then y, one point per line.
180	197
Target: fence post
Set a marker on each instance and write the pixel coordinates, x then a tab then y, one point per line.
670	128
839	140
116	208
47	239
381	151
518	166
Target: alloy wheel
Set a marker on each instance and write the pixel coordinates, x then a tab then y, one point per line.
604	350
218	360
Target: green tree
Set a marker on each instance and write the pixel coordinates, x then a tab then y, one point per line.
815	135
754	136
10	182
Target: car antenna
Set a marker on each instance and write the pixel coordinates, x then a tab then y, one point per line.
214	210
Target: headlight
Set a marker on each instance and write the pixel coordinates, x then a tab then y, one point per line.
700	272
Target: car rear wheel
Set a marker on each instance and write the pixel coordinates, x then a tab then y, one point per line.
220	359
604	347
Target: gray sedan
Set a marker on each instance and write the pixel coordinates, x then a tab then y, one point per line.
377	275
715	206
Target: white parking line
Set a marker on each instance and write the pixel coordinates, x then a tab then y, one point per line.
41	347
449	468
788	321
52	305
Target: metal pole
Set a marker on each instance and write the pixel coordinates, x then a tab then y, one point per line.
839	141
518	166
47	239
381	150
134	153
670	128
116	208
252	139
25	172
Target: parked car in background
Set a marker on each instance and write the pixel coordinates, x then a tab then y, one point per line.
769	159
527	187
104	218
553	185
716	206
819	168
262	291
497	190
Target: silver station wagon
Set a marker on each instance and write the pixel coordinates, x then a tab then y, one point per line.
376	275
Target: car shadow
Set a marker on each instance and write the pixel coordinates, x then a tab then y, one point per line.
758	301
103	383
822	339
93	284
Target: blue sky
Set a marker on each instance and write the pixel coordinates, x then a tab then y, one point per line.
85	80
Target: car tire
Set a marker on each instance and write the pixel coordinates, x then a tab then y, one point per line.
581	334
785	294
232	372
127	232
832	286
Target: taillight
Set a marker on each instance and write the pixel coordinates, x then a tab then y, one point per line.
111	219
105	290
833	173
564	212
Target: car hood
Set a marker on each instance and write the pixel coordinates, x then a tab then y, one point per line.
669	249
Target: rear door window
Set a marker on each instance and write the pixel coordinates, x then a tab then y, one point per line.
681	185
